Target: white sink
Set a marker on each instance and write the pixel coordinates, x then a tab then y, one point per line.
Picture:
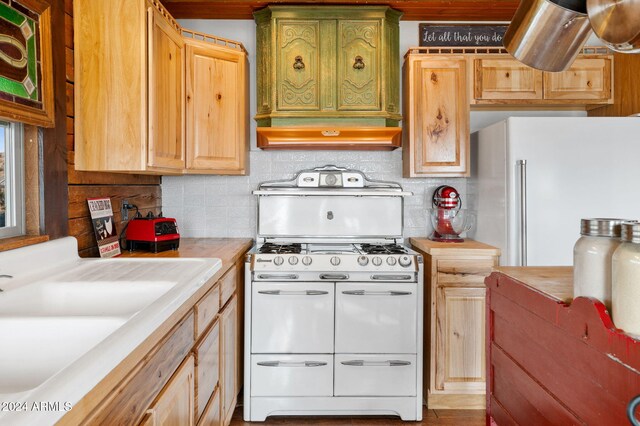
45	345
66	322
81	298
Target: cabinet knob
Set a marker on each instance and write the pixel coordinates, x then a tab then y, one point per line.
298	64
359	63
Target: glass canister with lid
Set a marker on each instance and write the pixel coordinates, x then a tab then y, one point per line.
625	309
592	254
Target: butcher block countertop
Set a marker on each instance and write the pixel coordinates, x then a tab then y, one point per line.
467	248
554	281
228	250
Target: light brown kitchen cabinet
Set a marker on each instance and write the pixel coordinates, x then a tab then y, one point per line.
589	78
217	108
504	78
436	116
229	385
134	112
454	322
175	404
166	94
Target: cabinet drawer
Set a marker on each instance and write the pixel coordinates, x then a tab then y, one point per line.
292	375
376	317
228	285
211	415
506	79
375	375
207	367
455	271
292	317
206	310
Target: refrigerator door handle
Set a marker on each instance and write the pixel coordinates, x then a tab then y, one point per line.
522	165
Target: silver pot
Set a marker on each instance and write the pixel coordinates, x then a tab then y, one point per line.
548	35
617	23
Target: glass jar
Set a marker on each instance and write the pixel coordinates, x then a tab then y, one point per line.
592	258
625	309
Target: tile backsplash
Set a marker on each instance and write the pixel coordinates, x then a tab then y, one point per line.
223	206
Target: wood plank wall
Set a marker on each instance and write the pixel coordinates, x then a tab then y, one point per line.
141	190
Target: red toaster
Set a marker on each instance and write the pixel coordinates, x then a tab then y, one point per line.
152	233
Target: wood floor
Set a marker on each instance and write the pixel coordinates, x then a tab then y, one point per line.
429	417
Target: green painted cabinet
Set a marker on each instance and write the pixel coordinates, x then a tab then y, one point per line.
328	64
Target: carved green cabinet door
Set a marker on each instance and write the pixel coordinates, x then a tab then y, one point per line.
358	65
298	69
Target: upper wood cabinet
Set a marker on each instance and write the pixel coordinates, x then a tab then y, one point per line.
150	99
590	78
504	78
166	94
216	108
440	88
436	116
500	79
318	63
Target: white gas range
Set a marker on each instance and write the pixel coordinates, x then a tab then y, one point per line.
333	300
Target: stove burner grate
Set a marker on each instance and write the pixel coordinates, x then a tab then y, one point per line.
383	249
280	248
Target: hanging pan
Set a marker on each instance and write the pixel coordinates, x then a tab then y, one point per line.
617	23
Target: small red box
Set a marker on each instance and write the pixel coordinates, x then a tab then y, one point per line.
153	234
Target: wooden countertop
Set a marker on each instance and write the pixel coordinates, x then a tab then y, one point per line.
467	248
554	281
228	250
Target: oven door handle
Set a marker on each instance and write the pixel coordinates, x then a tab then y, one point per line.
278	276
293	292
376	293
379	277
292	363
389	363
334	276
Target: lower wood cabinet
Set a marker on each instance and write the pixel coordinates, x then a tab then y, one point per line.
229	385
454	322
175	404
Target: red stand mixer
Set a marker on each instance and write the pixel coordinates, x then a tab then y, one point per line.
447	217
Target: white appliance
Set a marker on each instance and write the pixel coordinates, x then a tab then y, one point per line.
533	179
333	300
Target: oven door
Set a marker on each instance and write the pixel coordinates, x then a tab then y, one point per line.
376	317
292	317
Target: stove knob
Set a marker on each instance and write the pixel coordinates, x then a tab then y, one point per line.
363	260
278	260
306	261
391	261
376	261
404	261
335	260
293	260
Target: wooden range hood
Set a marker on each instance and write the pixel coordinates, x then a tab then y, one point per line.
330	138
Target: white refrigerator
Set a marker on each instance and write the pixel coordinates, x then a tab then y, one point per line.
533	179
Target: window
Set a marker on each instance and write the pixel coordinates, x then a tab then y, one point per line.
11	180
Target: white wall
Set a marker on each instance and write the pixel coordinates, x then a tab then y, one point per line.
222	206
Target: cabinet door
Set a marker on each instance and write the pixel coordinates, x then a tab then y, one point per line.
589	78
298	65
175	404
460	349
506	79
437	140
216	110
166	94
358	65
228	361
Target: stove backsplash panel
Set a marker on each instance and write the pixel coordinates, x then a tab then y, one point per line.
223	206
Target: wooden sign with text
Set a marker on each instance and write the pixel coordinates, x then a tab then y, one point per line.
469	35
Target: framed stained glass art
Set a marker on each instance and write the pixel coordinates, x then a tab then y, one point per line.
26	76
